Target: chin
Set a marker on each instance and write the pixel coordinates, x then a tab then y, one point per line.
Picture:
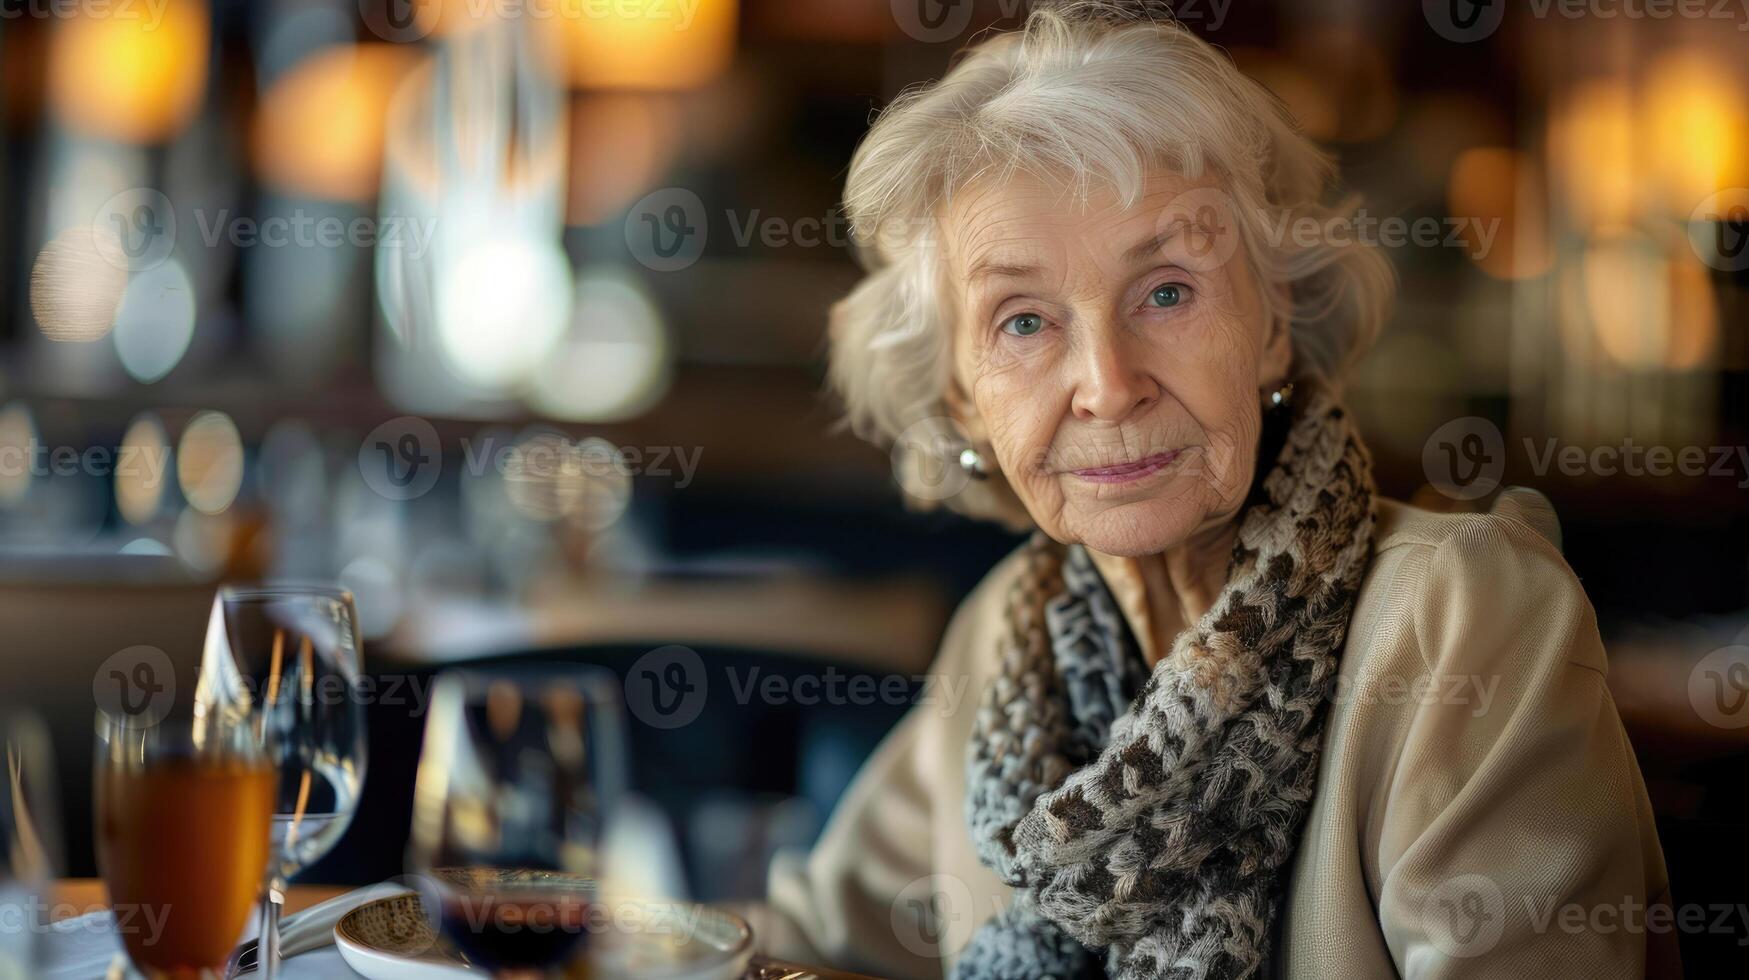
1131	530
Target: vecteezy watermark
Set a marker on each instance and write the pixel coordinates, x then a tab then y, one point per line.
402	458
1718	687
926	460
148	12
934	916
1718	230
147	464
938	21
1466	458
406	21
669	686
666	688
299	229
1466	21
1465	915
135	686
142	222
28	914
1473	691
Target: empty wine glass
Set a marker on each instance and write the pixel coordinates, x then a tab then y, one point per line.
292	652
516	780
29	848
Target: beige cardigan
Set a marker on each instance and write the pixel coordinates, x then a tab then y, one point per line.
1479	810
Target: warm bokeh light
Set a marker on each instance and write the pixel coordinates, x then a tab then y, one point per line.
548	476
142	469
76	285
1500	189
1312	104
1348	68
1648	310
1693	119
1593	146
17	439
320	129
209	462
621	143
131	75
641	44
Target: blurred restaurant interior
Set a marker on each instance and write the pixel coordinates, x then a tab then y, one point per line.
256	253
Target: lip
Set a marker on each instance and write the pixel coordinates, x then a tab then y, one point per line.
1129	472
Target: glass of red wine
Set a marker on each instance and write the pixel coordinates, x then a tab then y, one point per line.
517	778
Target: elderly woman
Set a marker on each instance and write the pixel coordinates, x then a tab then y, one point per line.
1233	715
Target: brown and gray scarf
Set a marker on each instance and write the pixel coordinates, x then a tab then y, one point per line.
1146	832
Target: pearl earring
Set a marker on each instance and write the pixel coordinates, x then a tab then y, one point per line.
1280	397
972	462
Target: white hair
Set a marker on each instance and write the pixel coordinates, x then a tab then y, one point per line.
1087	93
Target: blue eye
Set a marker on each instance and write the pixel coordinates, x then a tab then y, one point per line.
1170	294
1023	324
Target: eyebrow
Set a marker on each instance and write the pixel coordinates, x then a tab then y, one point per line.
984	269
1157	242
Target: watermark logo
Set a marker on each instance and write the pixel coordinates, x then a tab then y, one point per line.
932	21
1718	687
1464	21
402	458
399	21
1718	230
1465	915
926	460
142	222
666	230
933	916
666	687
1465	458
136	685
1206	221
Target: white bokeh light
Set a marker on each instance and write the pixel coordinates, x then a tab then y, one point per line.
614	361
504	305
155	322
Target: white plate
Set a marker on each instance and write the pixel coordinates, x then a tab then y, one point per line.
393	939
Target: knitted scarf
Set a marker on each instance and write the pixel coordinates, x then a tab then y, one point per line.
1145	832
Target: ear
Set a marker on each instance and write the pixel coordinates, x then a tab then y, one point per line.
1276	354
965	412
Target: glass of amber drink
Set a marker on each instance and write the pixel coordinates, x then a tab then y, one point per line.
184	817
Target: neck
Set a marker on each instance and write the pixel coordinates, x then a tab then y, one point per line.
1164	593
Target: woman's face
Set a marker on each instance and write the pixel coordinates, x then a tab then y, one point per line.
1112	357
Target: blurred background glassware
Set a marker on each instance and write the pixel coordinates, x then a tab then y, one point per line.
184	807
518	775
292	652
29	848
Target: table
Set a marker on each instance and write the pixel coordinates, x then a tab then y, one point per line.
76	896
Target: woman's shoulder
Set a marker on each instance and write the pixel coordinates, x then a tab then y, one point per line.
1465	582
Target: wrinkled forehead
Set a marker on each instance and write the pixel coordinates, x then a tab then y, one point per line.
1026	212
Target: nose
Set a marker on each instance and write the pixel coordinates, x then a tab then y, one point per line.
1111	384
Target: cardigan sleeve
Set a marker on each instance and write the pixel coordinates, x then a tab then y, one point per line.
1517	837
844	903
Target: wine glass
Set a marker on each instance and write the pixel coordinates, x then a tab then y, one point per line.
517	776
184	806
29	849
292	651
